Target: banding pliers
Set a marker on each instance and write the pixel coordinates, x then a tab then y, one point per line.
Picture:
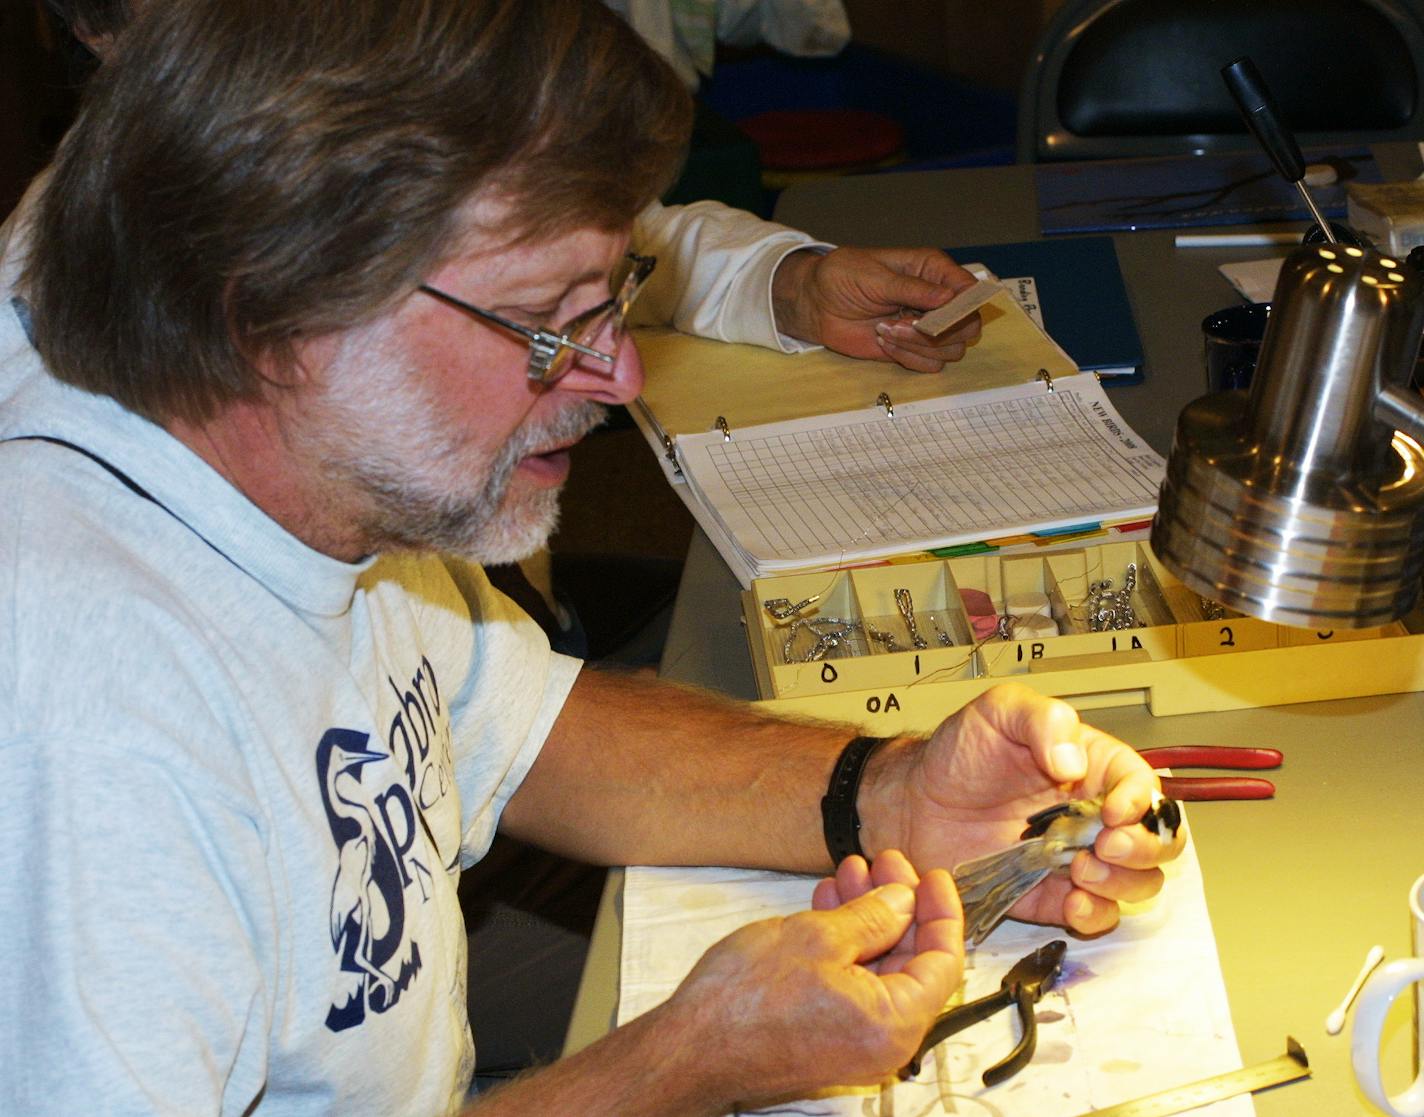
1030	977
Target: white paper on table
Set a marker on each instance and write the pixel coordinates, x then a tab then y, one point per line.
1255	279
1136	1011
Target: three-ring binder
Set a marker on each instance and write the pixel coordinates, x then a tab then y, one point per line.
669	444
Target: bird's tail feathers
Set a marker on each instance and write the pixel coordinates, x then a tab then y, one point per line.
990	885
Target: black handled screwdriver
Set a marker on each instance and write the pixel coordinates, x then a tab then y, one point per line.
1263	117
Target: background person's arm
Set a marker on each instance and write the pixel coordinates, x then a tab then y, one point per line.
726	274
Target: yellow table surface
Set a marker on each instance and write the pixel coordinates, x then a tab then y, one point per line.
1298	887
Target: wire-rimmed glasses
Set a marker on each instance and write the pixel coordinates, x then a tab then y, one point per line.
552	352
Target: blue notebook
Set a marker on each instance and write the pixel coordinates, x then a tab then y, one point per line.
1177	191
1081	296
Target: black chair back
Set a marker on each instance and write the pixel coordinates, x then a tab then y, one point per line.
1118	78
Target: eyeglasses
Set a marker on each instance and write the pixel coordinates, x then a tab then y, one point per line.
552	352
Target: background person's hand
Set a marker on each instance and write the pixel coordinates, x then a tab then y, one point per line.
861	302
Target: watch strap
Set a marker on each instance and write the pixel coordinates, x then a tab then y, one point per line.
840	822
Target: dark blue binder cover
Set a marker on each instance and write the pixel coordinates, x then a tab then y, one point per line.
1178	191
1081	294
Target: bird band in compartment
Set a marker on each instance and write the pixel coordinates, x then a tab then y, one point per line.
851	630
808	618
1205	627
911	607
1114	587
1094	601
1188	658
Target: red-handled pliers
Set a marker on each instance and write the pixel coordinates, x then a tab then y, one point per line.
1200	788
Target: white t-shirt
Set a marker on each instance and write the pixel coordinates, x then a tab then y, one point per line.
240	776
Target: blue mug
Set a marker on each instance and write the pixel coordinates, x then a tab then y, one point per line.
1233	342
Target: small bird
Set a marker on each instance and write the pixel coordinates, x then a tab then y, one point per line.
990	885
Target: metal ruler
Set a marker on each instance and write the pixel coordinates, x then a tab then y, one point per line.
1283	1068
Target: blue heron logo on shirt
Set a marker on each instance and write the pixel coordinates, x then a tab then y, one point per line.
377	813
367	920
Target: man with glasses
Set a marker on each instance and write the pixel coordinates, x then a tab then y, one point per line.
553	352
723	270
290	279
721	264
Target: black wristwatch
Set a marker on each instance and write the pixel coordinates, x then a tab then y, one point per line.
839	819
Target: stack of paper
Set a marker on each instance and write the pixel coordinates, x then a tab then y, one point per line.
789	463
1135	1011
858	486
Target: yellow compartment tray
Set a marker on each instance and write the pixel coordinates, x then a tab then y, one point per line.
1180	655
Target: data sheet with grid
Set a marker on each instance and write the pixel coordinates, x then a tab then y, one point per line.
970	467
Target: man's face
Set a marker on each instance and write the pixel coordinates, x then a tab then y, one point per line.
427	415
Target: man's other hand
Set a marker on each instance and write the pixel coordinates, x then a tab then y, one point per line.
841	995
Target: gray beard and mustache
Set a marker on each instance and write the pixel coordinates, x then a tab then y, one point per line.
422	485
487	525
